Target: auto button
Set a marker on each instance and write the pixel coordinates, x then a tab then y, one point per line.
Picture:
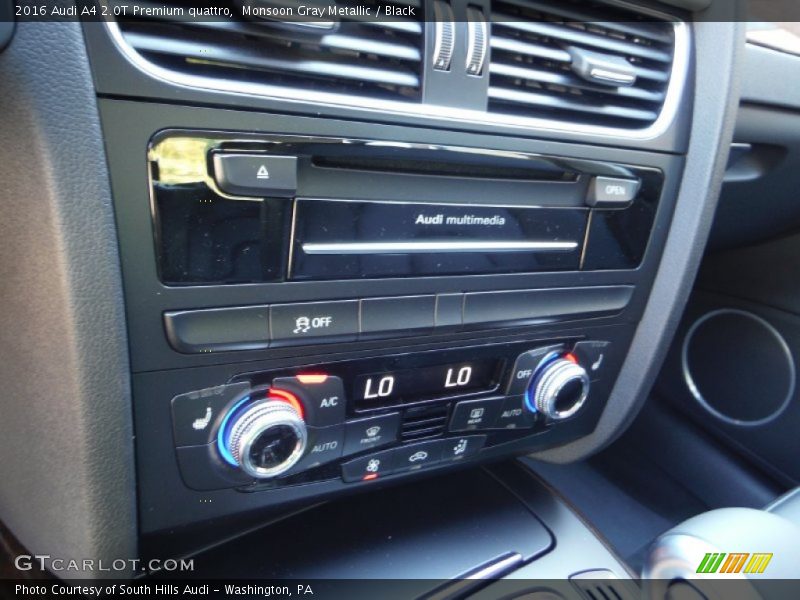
324	446
515	415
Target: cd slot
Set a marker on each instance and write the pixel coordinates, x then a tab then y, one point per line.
530	169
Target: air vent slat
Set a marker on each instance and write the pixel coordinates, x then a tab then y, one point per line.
579	61
367	42
372	46
586	14
278	60
562	103
424	422
412	27
555	54
558	78
660	76
529	49
583	38
357	57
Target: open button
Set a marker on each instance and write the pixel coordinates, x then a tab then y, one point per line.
612	192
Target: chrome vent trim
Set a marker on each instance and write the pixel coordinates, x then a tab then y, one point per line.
315	100
354	56
535	67
477	41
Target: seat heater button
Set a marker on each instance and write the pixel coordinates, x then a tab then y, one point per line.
459	448
593	355
196	415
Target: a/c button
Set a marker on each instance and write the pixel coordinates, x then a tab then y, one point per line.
312	323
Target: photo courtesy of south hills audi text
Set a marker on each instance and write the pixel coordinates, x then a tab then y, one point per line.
127	590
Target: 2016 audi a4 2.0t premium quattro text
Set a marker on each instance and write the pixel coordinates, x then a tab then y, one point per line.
403	299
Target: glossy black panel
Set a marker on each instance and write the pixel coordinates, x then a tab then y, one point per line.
326	230
618	239
203	238
398	195
383	534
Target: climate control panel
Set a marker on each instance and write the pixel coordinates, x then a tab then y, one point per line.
366	419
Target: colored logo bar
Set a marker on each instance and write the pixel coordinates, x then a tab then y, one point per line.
735	562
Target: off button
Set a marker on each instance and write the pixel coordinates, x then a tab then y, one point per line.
312	323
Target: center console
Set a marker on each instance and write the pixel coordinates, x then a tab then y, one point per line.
314	314
380	289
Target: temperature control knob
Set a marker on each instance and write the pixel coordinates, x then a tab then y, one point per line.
266	438
559	390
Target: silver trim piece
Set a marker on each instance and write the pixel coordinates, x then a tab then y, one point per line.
586	239
602	68
495	569
555	376
444	35
697	394
252	423
315	99
460	587
477	41
612	76
433	246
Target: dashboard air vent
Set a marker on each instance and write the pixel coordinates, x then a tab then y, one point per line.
424	422
578	61
356	56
